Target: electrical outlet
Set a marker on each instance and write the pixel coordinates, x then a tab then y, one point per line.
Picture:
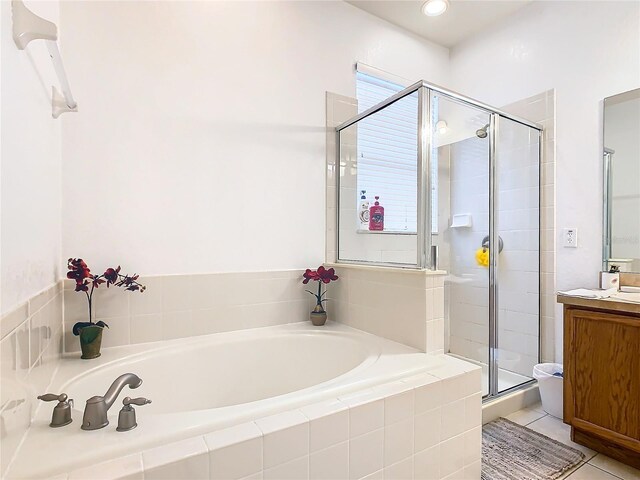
570	236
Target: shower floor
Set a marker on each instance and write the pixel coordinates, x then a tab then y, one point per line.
506	378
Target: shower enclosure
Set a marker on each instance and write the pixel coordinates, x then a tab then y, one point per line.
459	182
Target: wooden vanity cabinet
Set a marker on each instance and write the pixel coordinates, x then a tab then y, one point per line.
602	376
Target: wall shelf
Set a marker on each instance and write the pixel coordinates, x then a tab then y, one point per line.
462	220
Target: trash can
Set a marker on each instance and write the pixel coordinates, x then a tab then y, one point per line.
549	376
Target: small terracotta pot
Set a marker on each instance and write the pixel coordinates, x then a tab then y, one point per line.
318	316
90	341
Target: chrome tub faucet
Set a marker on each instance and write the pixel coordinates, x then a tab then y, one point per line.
95	411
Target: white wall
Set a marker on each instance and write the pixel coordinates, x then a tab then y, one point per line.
30	179
199	145
586	51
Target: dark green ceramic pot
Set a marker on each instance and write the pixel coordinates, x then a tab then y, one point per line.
90	341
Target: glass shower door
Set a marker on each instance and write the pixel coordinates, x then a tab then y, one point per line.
517	219
488	181
460	155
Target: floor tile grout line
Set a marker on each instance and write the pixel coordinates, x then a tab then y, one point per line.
573	470
532	421
603	470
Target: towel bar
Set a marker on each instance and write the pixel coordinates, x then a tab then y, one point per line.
28	26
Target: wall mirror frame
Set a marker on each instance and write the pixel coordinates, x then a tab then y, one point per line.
621	178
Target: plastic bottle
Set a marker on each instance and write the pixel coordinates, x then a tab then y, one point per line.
363	211
376	217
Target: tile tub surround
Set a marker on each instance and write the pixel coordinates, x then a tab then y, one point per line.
426	427
176	306
30	349
248	374
403	305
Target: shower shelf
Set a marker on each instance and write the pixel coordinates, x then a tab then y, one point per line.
462	220
28	26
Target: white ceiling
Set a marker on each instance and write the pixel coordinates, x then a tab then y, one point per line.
462	19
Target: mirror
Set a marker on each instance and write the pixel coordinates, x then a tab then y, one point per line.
621	160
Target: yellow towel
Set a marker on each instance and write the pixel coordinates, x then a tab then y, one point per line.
482	257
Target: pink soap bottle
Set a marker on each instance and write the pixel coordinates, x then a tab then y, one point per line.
376	217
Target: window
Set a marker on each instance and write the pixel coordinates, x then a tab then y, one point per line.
387	154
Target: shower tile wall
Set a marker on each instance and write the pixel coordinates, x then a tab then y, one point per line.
518	281
519	263
541	109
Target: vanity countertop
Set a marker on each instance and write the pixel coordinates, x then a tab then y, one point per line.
611	304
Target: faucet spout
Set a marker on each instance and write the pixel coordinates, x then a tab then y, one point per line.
95	411
118	384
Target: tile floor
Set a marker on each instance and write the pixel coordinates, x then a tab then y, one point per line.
596	465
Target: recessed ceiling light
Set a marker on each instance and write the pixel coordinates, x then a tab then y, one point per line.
433	8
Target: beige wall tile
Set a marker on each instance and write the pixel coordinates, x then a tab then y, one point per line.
111	302
176	293
14	318
212	302
146	328
30	352
38	301
150	301
118	332
390	303
75	307
176	324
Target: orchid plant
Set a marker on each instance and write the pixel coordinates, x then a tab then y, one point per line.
87	282
322	276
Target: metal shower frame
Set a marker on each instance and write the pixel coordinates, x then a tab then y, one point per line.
425	254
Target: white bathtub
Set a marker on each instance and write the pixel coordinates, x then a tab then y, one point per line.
202	384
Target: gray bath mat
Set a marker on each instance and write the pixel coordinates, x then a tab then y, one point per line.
513	452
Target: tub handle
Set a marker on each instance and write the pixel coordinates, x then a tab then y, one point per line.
127	417
135	401
61	415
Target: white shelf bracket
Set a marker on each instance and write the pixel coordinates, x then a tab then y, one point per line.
28	26
59	104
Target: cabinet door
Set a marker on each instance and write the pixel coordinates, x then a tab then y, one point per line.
605	375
